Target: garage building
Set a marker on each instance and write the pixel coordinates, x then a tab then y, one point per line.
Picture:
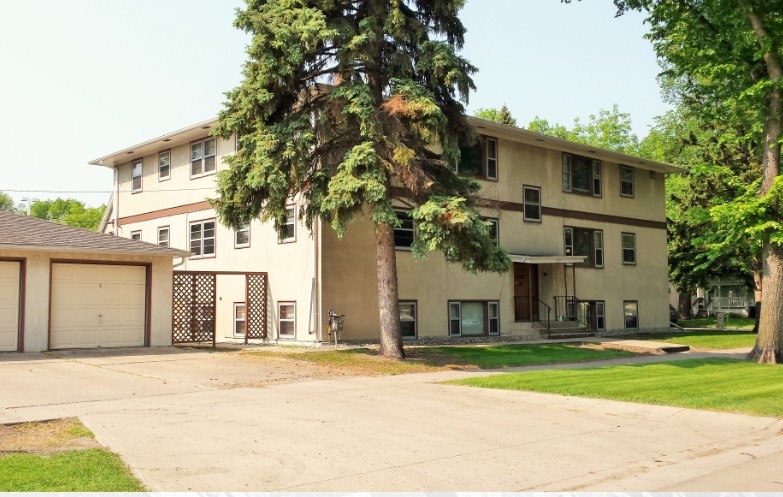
63	287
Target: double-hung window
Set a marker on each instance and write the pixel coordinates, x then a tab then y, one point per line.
532	203
136	235
404	233
585	242
494	230
242	236
581	175
480	159
164	165
163	236
629	248
203	157
137	169
240	318
286	319
408	319
289	233
626	181
202	238
474	318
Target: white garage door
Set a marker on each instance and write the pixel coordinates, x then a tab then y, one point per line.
97	305
9	306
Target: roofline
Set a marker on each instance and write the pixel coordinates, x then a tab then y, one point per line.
167	137
170	252
510	132
553	142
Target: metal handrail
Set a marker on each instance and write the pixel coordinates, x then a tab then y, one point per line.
548	318
571	314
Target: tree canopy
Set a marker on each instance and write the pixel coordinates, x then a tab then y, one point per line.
722	60
502	116
343	101
7	203
68	211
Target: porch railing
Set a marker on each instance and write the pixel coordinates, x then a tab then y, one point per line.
543	306
569	308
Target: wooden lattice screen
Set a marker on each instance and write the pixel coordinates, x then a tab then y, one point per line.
256	291
193	314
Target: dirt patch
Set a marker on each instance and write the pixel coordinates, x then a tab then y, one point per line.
45	437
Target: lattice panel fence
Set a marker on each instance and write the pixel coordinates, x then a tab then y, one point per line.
193	316
256	306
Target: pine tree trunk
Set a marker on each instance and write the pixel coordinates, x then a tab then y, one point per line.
768	342
388	303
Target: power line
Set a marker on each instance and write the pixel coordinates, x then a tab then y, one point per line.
11	190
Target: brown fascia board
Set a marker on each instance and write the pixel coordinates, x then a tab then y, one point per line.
96	251
184	135
522	135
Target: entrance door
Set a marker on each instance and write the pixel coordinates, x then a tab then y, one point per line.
525	292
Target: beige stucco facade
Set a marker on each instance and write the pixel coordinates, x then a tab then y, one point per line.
316	271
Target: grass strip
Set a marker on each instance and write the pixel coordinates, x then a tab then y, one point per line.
92	470
713	384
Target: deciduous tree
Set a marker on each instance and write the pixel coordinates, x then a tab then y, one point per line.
392	116
68	211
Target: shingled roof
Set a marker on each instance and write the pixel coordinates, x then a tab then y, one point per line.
29	233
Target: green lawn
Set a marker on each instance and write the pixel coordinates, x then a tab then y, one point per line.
710	322
713	384
426	358
713	339
92	470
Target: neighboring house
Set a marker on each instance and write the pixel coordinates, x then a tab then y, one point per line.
64	287
576	220
728	295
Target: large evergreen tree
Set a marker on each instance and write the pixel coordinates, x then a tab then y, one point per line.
343	100
724	60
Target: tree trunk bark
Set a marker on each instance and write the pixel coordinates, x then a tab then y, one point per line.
768	342
684	304
388	302
757	294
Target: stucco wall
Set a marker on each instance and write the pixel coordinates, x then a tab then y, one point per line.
36	306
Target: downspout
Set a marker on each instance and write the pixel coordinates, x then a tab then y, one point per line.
317	280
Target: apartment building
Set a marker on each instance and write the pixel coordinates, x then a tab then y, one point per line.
584	227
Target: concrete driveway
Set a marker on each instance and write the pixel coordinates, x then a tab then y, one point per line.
198	421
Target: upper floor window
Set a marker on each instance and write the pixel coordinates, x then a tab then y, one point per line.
629	248
202	238
404	233
202	157
289	235
581	175
585	242
136	172
494	230
163	236
164	165
626	181
242	236
136	235
532	203
480	159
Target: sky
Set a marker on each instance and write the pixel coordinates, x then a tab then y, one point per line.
84	78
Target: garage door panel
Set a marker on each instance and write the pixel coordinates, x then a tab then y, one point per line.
109	311
9	305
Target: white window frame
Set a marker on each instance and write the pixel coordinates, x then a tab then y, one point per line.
598	248
594	175
135	235
415	319
526	203
135	176
495	222
631	250
411	230
164	160
202	238
626	181
490	161
291	319
488	318
237	320
290	224
243	228
167	230
202	144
